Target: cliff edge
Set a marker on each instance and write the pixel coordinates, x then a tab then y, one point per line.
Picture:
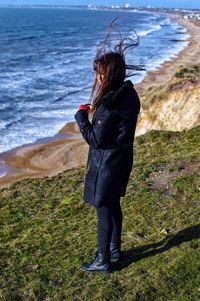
174	106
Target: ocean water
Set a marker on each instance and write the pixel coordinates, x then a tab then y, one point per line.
46	60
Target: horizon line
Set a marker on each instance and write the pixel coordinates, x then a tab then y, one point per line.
92	6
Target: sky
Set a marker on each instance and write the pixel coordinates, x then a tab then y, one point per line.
155	3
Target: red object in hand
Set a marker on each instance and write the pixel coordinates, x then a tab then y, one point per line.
84	107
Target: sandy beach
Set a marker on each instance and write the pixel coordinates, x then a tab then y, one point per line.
48	157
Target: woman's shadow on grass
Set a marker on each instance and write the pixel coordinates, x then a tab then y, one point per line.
138	253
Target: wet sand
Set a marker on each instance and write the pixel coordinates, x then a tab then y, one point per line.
51	156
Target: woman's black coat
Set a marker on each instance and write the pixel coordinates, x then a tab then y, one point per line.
110	136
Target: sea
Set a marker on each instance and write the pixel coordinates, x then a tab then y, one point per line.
46	57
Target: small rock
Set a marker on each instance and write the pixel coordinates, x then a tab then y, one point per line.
36	266
164	231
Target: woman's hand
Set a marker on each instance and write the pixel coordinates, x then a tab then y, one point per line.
84	107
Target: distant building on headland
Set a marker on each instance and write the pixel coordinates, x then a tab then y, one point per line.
192	16
115	6
92	6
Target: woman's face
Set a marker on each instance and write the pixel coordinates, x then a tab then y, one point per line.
99	77
99	73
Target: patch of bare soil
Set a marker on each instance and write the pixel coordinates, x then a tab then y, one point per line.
164	174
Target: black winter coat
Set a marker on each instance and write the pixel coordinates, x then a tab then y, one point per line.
110	136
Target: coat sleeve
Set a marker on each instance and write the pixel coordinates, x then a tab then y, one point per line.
100	133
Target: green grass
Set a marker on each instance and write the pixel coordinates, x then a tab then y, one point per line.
190	72
47	231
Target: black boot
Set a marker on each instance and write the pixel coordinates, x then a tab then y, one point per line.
100	264
115	252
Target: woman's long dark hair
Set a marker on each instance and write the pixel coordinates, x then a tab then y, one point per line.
111	63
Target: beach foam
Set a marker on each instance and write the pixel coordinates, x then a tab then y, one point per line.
146	32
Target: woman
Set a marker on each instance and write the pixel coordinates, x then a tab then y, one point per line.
110	135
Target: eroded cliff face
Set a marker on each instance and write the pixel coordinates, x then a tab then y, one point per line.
174	106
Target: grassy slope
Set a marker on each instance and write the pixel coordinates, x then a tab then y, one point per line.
47	231
185	77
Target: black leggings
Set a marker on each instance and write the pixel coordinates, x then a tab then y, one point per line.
109	225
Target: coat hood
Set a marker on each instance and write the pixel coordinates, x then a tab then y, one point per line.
123	101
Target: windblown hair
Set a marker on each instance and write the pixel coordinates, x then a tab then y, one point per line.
110	62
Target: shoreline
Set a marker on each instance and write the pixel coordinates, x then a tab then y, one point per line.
67	149
168	68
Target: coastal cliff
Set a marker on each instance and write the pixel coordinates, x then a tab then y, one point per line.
174	106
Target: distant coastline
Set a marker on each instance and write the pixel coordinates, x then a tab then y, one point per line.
127	8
